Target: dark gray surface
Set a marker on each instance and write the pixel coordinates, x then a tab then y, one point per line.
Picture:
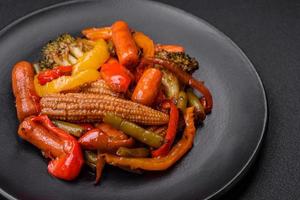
268	32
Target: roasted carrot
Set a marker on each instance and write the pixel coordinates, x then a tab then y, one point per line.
97	33
169	48
147	87
27	101
126	48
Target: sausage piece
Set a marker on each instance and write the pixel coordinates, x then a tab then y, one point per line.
126	48
27	101
40	137
147	87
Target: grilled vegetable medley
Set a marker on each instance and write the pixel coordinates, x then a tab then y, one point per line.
112	96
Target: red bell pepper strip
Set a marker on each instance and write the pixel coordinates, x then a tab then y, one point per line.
99	168
160	98
51	74
171	131
86	127
116	76
67	166
96	139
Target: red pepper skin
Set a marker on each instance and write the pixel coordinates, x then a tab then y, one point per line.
68	165
51	74
160	98
116	76
99	168
139	70
86	127
171	131
96	139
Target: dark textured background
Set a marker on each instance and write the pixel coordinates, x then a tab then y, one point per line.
269	33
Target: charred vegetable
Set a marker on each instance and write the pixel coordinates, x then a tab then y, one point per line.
64	50
187	63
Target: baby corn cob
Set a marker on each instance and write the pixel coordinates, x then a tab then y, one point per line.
80	107
99	87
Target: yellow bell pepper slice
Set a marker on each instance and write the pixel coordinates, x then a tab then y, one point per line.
84	71
94	58
64	83
145	43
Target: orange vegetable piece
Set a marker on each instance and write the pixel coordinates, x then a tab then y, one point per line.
145	43
169	48
97	33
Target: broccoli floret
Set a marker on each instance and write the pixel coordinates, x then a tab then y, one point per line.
64	50
186	62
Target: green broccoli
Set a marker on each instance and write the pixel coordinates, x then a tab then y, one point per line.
63	51
187	63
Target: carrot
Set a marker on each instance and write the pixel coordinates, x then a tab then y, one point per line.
126	48
169	48
97	33
147	87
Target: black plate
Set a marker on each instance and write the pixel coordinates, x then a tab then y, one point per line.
223	148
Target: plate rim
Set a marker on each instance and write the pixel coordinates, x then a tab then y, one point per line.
250	160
